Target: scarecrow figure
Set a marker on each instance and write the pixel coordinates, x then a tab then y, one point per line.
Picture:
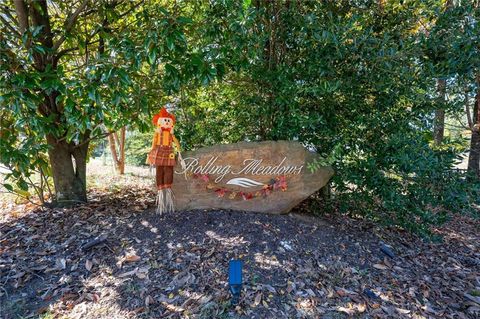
162	156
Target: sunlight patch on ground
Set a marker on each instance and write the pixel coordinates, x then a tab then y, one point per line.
266	262
227	241
149	226
99	309
306	307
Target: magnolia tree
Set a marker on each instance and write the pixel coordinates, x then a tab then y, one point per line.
75	71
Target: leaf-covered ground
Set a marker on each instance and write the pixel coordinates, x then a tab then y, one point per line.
175	266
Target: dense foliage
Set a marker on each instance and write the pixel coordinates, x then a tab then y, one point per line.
356	80
137	147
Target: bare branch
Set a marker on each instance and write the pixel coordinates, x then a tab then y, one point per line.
133	7
65	51
460	123
94	138
69	23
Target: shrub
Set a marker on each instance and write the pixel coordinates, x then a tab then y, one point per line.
137	146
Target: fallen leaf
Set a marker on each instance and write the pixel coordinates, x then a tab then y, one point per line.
348	311
88	264
258	299
387	262
290	286
149	300
389	310
60	263
142	272
361	307
270	288
128	273
402	311
18	275
131	258
380	266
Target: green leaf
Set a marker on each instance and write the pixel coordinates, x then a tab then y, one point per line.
152	56
92	94
170	43
39	48
23	185
23	192
184	20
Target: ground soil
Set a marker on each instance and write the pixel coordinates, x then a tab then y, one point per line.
176	265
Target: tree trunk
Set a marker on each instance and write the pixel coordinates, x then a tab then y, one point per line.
69	167
474	156
118	156
439	121
122	150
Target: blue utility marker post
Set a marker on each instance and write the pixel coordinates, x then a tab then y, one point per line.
235	279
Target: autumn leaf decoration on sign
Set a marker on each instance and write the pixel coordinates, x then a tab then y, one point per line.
275	184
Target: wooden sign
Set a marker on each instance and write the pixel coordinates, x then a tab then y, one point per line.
270	176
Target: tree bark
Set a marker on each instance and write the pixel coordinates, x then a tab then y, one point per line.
439	121
474	155
69	167
122	150
22	15
118	156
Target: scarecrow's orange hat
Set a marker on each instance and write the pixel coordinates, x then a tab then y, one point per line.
163	113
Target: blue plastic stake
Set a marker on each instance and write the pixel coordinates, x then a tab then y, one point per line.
235	279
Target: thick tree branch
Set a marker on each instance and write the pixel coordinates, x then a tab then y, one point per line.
40	18
69	23
22	14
